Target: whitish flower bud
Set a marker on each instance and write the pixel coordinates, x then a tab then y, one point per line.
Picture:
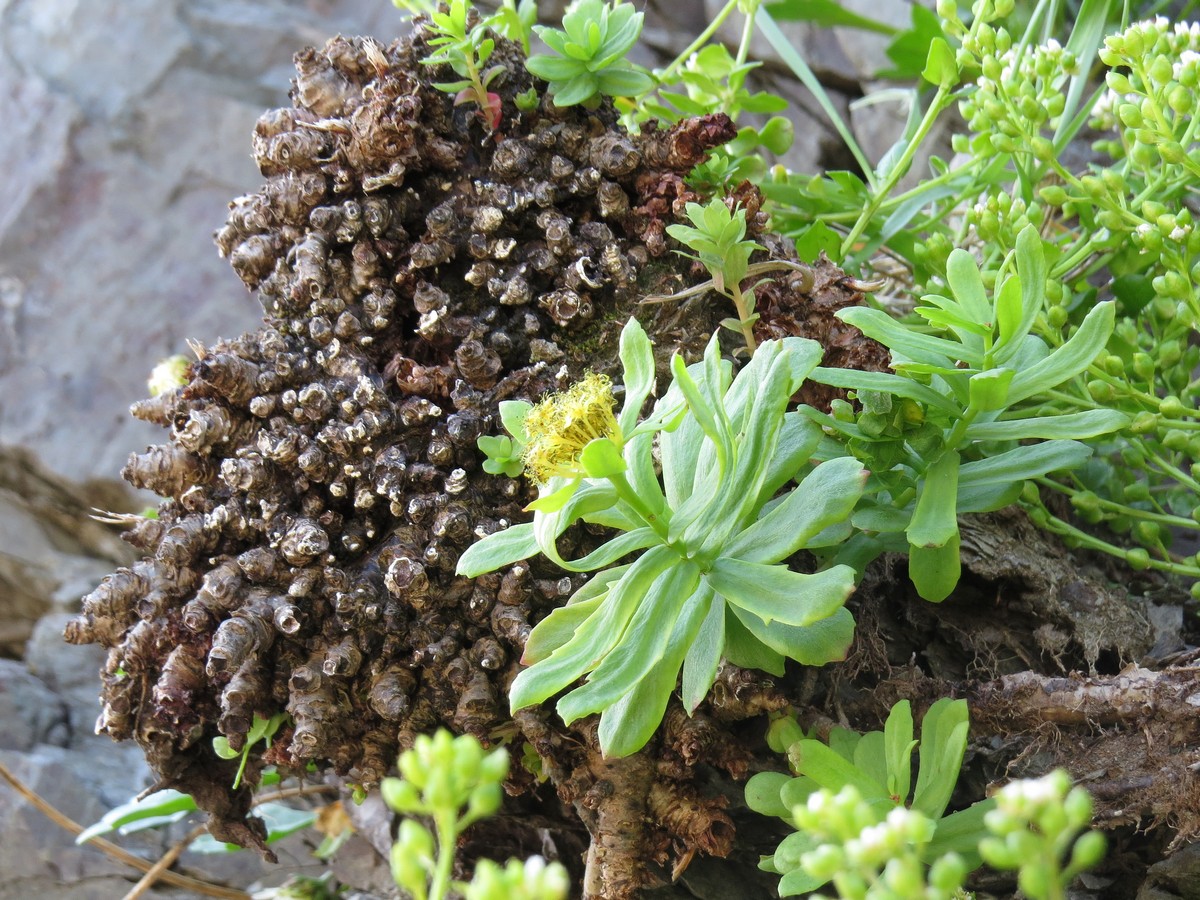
168	375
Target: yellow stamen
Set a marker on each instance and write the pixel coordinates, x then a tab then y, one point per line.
561	425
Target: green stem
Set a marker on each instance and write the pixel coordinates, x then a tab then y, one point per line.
1121	509
626	492
941	100
747	32
747	327
705	36
959	432
447	840
1058	526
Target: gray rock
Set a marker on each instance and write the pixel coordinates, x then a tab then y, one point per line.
35	851
1175	878
30	711
129	128
865	51
72	672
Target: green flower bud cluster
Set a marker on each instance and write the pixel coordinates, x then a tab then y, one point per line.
1155	73
1018	95
529	880
999	217
1036	828
982	12
452	781
447	773
870	856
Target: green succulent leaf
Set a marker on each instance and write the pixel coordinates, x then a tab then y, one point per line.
704	656
898	748
935	519
1021	463
913	345
777	594
943	743
1087	424
831	770
812	645
826	496
649	632
935	571
596	637
1068	360
499	549
626	726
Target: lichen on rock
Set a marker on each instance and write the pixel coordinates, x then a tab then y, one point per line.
321	479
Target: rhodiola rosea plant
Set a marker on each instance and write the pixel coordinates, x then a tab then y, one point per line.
712	531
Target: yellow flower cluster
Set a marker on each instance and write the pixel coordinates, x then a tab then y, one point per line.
561	425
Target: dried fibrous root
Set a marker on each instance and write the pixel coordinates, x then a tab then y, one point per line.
1132	739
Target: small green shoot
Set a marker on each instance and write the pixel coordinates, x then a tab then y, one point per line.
260	730
466	49
591	48
877	768
717	237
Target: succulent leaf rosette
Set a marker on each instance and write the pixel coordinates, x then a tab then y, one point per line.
710	527
591	48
